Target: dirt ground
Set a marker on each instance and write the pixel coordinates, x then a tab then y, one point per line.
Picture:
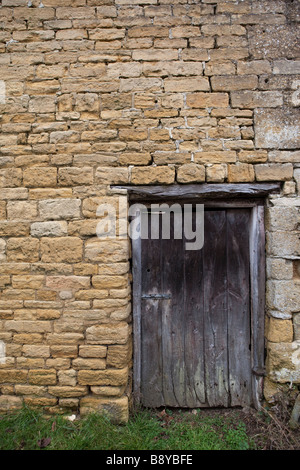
269	428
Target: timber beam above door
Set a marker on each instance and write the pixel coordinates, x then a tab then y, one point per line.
201	191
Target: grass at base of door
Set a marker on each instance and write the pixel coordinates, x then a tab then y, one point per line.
29	429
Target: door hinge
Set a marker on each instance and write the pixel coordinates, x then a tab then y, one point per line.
259	371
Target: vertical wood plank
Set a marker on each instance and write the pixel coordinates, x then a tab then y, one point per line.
215	308
194	327
151	327
136	312
238	275
174	375
257	271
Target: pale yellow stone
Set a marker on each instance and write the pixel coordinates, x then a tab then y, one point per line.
191	173
279	330
117	409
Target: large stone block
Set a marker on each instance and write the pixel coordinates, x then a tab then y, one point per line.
283	296
115	377
279	219
22	249
274	41
283	362
191	173
9	402
153	175
114	333
115	408
49	229
55	209
279	330
277	128
283	244
61	250
22	210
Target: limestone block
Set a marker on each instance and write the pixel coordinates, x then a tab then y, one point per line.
179	85
106	250
279	330
64	351
55	209
48	229
108	391
240	172
67	391
13	376
109	282
283	296
61	250
191	173
114	333
23	210
230	83
153	175
10	402
274	172
115	377
27	281
254	156
256	99
10	177
286	219
36	350
277	128
216	173
280	269
89	363
67	377
115	408
42	104
40	177
92	351
207	100
283	362
283	244
273	41
106	175
68	282
75	176
226	156
42	376
33	390
118	355
22	249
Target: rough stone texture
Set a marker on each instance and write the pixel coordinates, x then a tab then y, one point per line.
277	129
101	93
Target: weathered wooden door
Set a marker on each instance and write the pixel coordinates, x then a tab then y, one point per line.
195	331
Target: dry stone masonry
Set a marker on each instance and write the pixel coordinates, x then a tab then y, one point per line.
95	93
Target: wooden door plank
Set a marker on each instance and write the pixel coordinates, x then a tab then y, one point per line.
238	275
151	328
137	317
174	375
257	270
215	309
194	327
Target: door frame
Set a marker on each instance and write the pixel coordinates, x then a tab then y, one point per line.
220	196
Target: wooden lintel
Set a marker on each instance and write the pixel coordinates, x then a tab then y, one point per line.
202	191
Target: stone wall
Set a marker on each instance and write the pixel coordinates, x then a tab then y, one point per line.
101	92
